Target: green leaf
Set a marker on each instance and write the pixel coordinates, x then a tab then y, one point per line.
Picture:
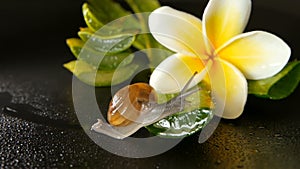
81	67
83	33
181	125
110	62
100	12
107	44
139	6
193	118
92	57
90	19
279	86
75	46
100	78
146	41
108	10
111	30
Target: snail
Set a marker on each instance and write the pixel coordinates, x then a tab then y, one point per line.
135	106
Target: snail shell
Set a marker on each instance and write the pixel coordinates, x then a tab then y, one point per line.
129	103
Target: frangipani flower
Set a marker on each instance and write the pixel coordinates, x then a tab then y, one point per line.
217	39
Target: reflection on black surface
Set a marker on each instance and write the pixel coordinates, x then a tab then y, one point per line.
30	113
26	112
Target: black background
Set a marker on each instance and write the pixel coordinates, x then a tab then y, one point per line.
33	81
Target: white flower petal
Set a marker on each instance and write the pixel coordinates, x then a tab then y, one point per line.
173	73
224	19
178	31
236	90
257	54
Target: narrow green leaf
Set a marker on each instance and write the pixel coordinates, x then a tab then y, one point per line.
82	67
108	10
100	12
107	44
110	62
146	41
92	57
279	86
75	46
193	118
112	30
90	19
112	45
139	6
82	33
100	78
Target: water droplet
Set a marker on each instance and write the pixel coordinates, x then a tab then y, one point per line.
218	161
277	135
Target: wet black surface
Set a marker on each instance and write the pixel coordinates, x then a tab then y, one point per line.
38	126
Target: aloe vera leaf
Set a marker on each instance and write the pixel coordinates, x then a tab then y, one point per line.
108	44
100	78
83	33
139	6
75	46
112	29
90	19
279	86
92	57
108	10
81	67
100	12
110	62
146	41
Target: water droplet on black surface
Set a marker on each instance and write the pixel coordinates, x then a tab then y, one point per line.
277	135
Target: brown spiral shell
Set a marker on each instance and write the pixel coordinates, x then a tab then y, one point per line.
129	102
